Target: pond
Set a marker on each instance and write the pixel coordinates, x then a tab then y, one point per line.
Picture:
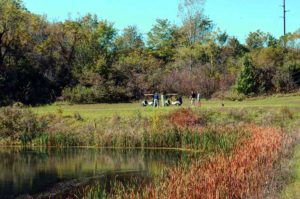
41	172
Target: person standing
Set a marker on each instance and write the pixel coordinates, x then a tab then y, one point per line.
198	99
193	98
156	100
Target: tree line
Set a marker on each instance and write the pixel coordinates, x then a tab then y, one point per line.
87	60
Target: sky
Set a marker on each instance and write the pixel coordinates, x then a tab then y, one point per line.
236	17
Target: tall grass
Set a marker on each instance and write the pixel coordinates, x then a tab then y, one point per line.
243	174
246	172
20	125
183	128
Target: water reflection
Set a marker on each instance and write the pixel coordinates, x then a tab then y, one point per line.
35	170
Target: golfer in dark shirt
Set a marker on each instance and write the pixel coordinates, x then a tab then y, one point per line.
193	98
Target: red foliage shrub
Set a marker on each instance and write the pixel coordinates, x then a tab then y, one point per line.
185	118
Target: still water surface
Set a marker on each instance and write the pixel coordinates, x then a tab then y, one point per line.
30	171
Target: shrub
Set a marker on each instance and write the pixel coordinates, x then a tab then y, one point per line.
77	116
185	118
283	81
185	81
18	105
20	124
246	82
286	113
62	131
96	94
82	94
281	118
231	95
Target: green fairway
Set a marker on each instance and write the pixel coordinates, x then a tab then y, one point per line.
98	111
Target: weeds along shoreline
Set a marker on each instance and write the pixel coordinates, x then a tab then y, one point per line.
244	149
186	130
253	169
247	172
181	129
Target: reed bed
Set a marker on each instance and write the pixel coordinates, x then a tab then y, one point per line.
246	172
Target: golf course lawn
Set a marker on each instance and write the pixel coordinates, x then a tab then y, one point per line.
98	111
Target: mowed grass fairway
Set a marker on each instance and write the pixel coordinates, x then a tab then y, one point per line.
98	111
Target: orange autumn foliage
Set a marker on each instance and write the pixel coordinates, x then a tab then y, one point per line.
242	174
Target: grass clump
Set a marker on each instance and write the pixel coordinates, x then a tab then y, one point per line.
20	125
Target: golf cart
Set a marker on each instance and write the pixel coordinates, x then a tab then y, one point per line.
173	99
148	100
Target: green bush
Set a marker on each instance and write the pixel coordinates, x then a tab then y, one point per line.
234	96
283	81
87	95
20	124
231	95
246	82
95	94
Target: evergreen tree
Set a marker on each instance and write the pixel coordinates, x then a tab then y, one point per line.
246	82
